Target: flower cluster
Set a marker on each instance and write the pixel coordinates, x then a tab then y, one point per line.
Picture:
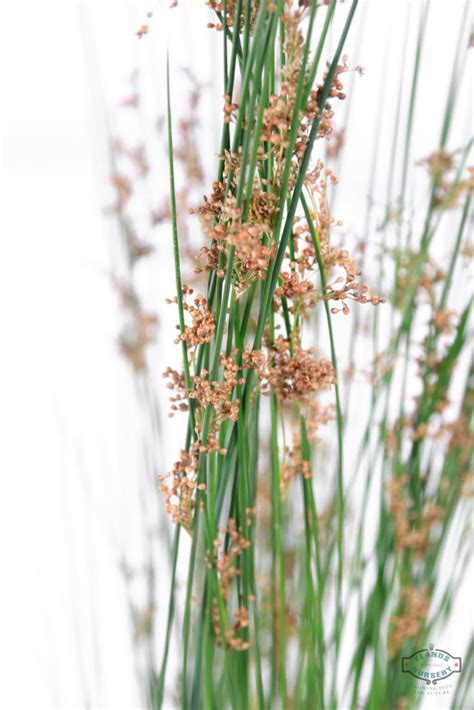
226	563
408	622
297	376
207	392
203	322
221	220
139	329
229	109
218	6
293	463
216	394
295	288
409	535
177	384
291	375
180	491
448	191
136	156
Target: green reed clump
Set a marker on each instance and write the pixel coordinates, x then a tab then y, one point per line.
287	601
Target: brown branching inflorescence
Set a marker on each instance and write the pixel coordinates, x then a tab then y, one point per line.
408	622
412	531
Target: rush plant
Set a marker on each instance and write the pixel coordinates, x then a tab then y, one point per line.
314	567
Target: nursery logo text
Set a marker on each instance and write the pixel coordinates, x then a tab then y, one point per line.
431	665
